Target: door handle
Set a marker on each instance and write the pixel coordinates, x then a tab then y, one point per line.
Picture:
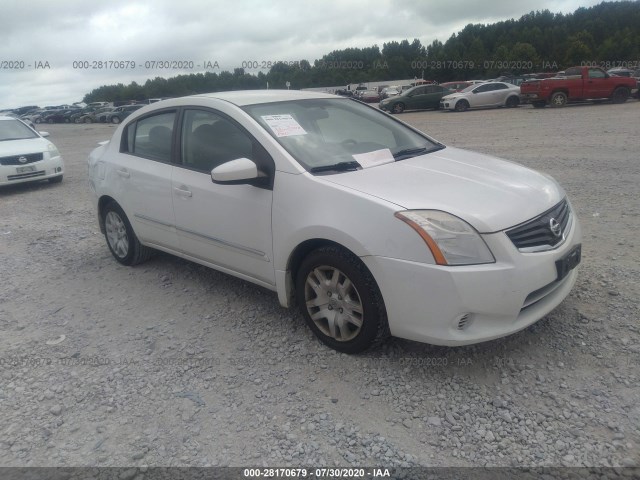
182	191
123	173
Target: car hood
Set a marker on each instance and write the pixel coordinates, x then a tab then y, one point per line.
489	193
10	148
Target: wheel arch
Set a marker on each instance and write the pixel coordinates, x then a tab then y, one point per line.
462	101
286	282
102	203
514	96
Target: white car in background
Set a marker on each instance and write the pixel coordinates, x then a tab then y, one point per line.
367	224
482	95
26	155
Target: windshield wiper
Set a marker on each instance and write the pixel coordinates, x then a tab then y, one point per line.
7	139
414	152
338	167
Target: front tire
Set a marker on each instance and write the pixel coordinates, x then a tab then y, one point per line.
340	300
462	106
115	120
398	108
57	179
513	102
558	99
121	239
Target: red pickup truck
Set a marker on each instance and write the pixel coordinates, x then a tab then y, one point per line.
576	84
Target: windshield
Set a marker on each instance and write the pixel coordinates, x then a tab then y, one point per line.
15	130
320	133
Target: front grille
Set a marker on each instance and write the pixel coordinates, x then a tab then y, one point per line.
15	159
538	233
20	176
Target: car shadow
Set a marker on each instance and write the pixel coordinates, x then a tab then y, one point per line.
23	188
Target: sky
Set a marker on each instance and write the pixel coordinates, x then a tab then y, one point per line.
47	45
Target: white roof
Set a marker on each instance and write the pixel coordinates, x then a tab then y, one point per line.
251	97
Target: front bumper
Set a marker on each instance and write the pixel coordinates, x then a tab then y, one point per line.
448	104
41	170
463	305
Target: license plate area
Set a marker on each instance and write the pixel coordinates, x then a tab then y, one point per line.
27	169
569	261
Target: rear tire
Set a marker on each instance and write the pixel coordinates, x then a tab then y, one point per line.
513	102
340	300
121	239
620	95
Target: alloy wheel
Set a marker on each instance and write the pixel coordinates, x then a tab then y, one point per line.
116	234
333	303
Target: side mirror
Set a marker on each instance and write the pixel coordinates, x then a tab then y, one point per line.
44	134
236	172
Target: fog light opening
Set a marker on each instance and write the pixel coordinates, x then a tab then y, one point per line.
464	321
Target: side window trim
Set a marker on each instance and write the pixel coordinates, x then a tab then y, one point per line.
179	160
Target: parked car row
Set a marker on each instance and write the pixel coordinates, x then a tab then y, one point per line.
371	95
450	97
90	113
556	90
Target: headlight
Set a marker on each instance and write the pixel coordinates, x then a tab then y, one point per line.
452	241
53	151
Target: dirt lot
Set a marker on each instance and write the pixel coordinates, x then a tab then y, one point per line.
169	363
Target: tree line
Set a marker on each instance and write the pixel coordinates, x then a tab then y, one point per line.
606	35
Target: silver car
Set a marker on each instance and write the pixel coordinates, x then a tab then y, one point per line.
483	95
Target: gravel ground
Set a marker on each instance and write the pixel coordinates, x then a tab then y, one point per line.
172	364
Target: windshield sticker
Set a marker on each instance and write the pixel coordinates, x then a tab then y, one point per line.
372	159
283	125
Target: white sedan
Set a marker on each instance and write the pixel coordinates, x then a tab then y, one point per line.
368	225
25	154
483	95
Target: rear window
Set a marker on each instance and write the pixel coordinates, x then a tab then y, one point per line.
573	71
150	137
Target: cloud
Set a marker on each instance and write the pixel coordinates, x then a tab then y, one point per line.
68	31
